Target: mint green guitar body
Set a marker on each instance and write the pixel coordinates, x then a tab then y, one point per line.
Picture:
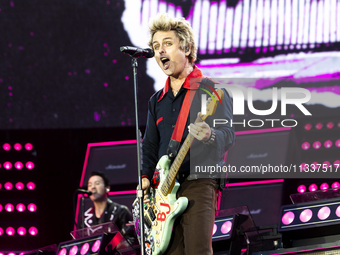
166	208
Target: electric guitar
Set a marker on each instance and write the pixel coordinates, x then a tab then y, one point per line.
164	208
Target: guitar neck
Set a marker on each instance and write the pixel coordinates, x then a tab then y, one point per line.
171	177
181	155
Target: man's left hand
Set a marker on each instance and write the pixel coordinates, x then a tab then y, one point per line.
201	131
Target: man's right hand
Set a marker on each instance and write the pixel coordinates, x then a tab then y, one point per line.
145	188
145	184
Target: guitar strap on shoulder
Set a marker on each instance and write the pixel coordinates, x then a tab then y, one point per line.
181	122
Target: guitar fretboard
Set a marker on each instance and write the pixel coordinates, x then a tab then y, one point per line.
170	179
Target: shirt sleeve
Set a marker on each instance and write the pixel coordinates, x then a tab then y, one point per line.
124	216
210	154
225	133
150	144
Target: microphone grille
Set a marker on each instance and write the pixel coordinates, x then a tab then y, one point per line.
151	53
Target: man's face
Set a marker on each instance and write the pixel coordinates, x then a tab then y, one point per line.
97	187
168	53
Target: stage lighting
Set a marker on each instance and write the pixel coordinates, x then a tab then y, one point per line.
8	186
330	125
21	231
31	185
9	207
101	244
20	207
7	165
6	146
19	186
324	186
337	143
223	228
313	187
305	146
29	165
234	229
10	231
335	185
33	231
310	223
17	146
318	125
317	145
94	243
310	215
308	126
32	207
328	144
223	238
302	188
28	146
18	165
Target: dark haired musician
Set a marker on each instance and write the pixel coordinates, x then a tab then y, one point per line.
103	209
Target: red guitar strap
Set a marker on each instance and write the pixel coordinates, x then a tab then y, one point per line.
177	134
181	122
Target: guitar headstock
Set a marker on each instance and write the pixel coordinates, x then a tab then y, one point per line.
212	104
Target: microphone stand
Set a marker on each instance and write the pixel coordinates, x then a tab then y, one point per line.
140	194
82	211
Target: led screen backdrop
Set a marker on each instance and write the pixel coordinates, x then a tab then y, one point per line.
61	67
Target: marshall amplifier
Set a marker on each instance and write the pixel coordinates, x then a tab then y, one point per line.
263	199
117	160
254	150
261	193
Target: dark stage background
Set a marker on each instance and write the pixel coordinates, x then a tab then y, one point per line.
64	84
59	161
61	66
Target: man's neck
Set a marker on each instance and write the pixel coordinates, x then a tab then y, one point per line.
99	207
176	82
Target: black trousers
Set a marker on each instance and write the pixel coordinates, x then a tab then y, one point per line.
192	232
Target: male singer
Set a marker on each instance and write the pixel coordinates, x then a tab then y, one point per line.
172	40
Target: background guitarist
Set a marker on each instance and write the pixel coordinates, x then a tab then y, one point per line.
175	52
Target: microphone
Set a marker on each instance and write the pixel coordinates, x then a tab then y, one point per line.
84	191
137	52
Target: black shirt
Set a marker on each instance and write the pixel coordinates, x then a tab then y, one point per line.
118	214
163	111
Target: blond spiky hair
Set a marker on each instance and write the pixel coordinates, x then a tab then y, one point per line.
182	28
